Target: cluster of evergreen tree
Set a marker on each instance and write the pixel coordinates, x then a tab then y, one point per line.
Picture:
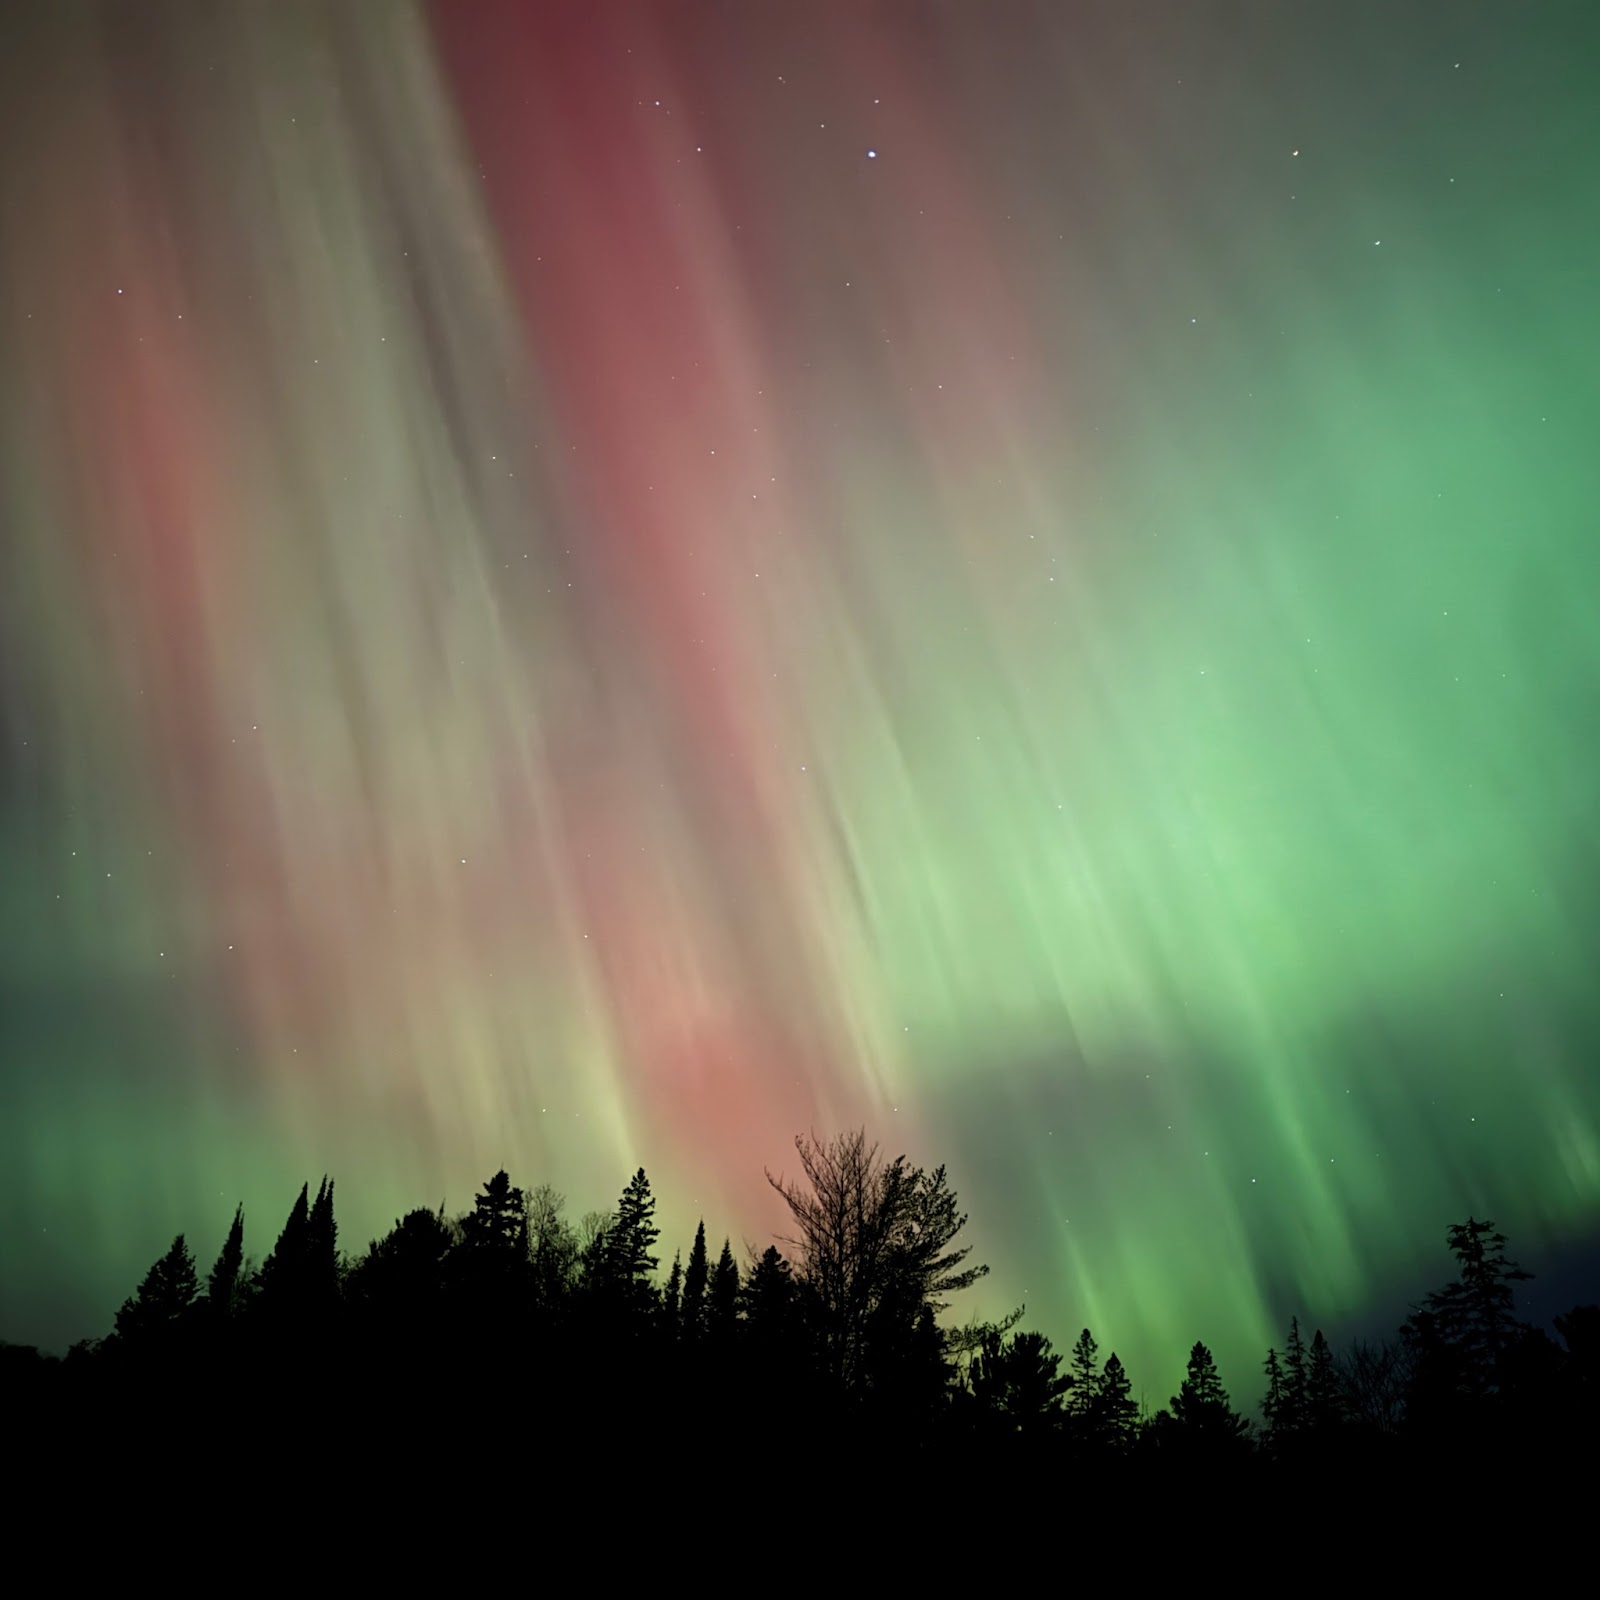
512	1317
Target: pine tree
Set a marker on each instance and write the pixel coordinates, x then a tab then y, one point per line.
695	1278
1115	1417
222	1286
160	1306
722	1297
1085	1376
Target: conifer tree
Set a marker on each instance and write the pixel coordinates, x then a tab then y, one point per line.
767	1297
722	1295
1472	1322
282	1276
1115	1418
1293	1416
627	1262
1275	1402
497	1225
161	1304
1085	1376
672	1295
1018	1382
222	1286
322	1252
696	1276
1201	1408
1323	1408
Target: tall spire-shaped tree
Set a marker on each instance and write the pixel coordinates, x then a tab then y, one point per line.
722	1298
222	1286
322	1252
627	1261
283	1273
696	1276
1323	1402
1115	1418
1085	1370
672	1295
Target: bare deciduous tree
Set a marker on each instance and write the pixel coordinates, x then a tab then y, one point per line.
873	1244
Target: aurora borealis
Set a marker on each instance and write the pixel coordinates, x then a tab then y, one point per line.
587	585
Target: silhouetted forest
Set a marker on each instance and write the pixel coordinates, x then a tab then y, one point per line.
514	1327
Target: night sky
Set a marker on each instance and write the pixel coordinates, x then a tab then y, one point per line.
587	585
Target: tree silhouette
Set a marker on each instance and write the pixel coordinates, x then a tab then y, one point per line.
160	1307
767	1300
1324	1403
1292	1418
496	1229
1018	1383
874	1252
403	1274
1464	1330
511	1318
1275	1404
1200	1410
623	1262
722	1296
322	1253
672	1295
1114	1417
553	1246
1374	1381
1085	1379
222	1285
695	1278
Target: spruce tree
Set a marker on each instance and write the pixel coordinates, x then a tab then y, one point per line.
1201	1408
695	1278
1275	1402
722	1296
672	1295
626	1262
1323	1401
1293	1417
283	1273
1115	1417
322	1253
1085	1376
767	1297
222	1286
